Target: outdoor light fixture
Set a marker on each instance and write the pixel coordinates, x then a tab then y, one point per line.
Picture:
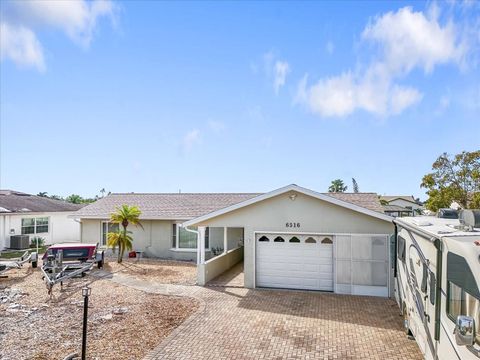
86	291
293	197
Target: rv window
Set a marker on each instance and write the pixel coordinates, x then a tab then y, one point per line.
433	286
401	248
460	302
424	278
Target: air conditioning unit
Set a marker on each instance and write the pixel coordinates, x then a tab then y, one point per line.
470	218
19	242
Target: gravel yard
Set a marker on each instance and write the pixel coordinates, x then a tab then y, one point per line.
163	271
124	323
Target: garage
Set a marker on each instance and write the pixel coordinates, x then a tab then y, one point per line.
296	238
294	261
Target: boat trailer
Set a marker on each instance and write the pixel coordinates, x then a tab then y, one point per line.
30	257
65	261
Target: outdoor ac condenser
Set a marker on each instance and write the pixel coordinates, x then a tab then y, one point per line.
19	242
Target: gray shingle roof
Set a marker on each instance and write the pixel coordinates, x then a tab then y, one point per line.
187	206
367	200
390	208
18	202
389	198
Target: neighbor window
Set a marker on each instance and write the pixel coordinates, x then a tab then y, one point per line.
108	227
174	235
35	225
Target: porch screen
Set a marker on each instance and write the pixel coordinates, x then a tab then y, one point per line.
362	260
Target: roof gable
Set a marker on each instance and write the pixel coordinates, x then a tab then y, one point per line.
332	198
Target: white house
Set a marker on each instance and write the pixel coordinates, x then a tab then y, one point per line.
25	214
405	201
291	237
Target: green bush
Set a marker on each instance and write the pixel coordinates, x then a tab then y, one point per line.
33	241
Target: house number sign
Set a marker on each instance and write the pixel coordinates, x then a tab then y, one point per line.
292	224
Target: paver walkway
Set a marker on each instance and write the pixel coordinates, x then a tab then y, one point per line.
238	323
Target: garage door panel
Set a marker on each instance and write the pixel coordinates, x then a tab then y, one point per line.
294	265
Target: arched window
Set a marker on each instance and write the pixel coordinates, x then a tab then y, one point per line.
327	241
310	240
264	238
279	239
294	240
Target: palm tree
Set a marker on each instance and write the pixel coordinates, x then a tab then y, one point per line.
42	194
124	215
337	186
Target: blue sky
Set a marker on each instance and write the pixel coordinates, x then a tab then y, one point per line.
158	96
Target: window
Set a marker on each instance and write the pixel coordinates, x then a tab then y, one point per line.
401	248
327	241
174	235
294	240
108	227
310	240
462	303
279	239
35	225
264	238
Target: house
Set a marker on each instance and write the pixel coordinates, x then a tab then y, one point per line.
25	214
291	237
397	211
405	201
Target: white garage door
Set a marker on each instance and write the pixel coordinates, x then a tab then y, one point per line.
294	261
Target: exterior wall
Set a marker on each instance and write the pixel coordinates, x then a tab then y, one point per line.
314	215
404	203
154	239
214	267
61	228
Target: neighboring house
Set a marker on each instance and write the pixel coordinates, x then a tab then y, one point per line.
291	237
397	211
25	214
405	201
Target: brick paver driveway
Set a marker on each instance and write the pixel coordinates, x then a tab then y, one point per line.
237	323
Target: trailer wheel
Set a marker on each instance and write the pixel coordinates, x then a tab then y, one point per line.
100	262
34	264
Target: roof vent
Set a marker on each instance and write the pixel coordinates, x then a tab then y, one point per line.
447	214
470	218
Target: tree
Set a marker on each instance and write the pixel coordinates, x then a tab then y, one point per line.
454	178
124	216
42	194
337	186
74	199
355	185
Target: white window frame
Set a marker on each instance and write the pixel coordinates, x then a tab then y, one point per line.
177	236
35	225
101	231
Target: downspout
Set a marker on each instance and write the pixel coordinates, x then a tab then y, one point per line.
395	234
198	247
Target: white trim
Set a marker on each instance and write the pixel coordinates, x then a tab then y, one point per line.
284	190
194	250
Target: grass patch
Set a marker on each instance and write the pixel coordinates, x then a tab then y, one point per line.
12	254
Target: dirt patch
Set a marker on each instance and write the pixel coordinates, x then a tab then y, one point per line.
123	323
162	271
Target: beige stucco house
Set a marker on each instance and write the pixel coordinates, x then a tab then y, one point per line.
291	237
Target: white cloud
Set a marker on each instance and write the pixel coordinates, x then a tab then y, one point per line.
281	70
76	18
275	70
20	45
406	40
411	39
190	139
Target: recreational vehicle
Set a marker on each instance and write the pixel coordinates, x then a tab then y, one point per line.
437	282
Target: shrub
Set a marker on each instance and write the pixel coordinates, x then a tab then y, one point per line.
33	241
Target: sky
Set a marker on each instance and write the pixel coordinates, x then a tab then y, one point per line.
154	96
